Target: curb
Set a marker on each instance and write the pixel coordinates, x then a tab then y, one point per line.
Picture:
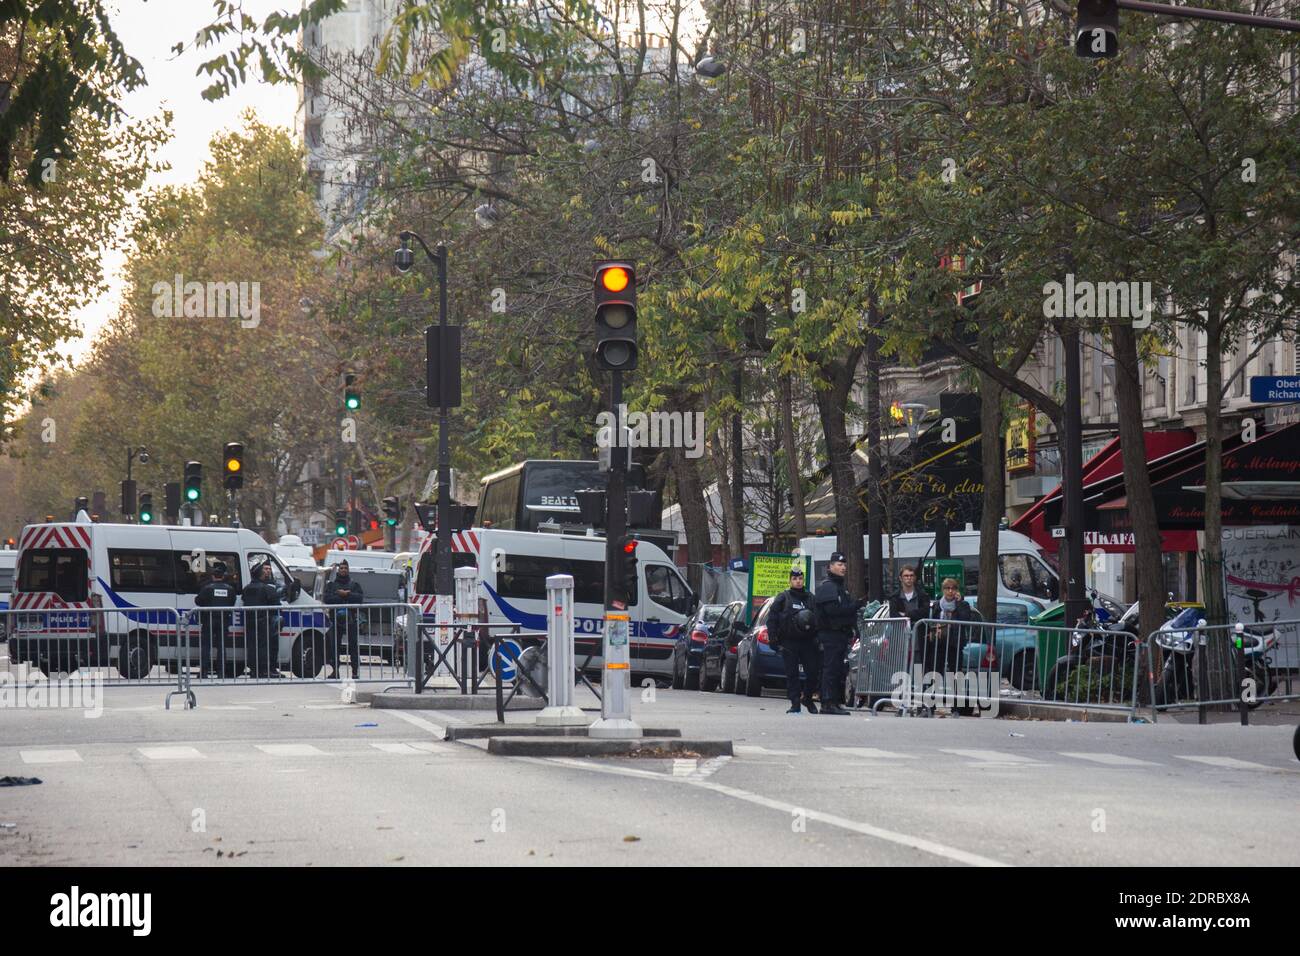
481	731
410	701
605	747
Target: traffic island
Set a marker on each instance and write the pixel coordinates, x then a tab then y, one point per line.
487	731
407	700
572	746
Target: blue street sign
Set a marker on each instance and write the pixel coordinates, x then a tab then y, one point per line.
503	661
1275	388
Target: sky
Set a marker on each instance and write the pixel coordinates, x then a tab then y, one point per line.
149	30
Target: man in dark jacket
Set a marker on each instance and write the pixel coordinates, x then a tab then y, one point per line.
792	629
344	590
218	592
262	628
837	614
911	601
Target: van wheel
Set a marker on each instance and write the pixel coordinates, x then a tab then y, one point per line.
135	656
308	655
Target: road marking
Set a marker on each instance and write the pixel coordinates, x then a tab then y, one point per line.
684	767
1230	763
747	749
228	707
789	809
439	732
50	756
871	753
396	748
170	753
993	757
326	706
290	750
1111	760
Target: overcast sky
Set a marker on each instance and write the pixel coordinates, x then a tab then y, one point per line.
149	30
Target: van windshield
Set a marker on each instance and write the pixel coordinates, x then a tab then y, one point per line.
61	571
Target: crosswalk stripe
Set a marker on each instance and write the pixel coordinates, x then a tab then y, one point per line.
290	750
1111	760
1230	763
50	756
395	748
170	753
871	753
683	767
991	756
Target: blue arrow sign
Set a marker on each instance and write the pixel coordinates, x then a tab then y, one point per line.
1275	388
503	661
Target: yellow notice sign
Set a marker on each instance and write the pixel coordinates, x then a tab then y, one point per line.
769	574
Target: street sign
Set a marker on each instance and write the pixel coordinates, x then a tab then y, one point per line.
1058	532
769	574
503	662
354	543
1275	388
339	544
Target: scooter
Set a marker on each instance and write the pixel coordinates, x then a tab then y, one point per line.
1177	637
1100	664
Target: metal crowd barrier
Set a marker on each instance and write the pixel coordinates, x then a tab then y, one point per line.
1226	665
108	646
968	667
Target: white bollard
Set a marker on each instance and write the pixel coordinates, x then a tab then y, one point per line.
560	710
615	686
466	592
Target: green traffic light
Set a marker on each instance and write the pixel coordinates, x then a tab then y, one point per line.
145	517
192	494
340	529
392	522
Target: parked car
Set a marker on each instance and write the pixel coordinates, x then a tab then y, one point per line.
757	663
689	648
1015	648
718	657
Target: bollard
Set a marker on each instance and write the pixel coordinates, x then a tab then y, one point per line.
560	710
466	592
615	686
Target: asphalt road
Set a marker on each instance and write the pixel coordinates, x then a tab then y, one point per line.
290	775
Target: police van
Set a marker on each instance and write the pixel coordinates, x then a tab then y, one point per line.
512	568
64	567
1022	572
8	566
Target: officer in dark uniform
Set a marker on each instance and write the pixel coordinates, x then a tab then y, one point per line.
837	613
262	628
217	592
344	589
791	622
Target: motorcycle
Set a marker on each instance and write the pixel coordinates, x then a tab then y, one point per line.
1177	637
1102	662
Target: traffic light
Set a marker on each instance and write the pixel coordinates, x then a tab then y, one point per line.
146	508
351	396
340	523
172	502
1096	34
233	468
625	572
99	504
128	497
193	481
392	511
615	283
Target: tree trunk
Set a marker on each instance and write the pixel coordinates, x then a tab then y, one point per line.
792	459
832	400
875	506
994	503
1137	480
695	516
1212	566
733	538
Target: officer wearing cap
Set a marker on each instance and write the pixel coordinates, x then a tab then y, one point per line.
262	627
837	612
791	628
218	592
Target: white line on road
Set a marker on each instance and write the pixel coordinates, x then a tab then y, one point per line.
890	836
745	750
993	756
430	726
870	753
50	756
1111	760
684	767
171	753
1230	763
396	748
290	750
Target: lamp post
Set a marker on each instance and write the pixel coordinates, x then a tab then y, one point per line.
403	260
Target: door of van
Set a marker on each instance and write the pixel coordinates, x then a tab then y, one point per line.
664	605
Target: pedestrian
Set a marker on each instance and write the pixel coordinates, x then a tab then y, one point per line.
944	642
911	601
792	628
214	625
262	627
837	614
344	589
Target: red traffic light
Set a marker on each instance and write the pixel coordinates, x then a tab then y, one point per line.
629	547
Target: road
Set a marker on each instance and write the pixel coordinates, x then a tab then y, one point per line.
287	774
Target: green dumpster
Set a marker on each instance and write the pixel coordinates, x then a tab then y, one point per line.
1052	645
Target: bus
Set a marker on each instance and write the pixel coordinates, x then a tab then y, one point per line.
541	491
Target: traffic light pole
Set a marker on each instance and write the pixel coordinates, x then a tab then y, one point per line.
1198	13
616	685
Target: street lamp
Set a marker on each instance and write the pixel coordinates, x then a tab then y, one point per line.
487	215
711	67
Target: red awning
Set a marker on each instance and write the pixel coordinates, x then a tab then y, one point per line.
1108	463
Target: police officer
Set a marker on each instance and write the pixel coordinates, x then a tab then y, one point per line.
791	622
344	589
217	592
262	628
837	612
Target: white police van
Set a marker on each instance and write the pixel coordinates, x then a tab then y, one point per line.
64	567
8	567
1022	572
512	570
